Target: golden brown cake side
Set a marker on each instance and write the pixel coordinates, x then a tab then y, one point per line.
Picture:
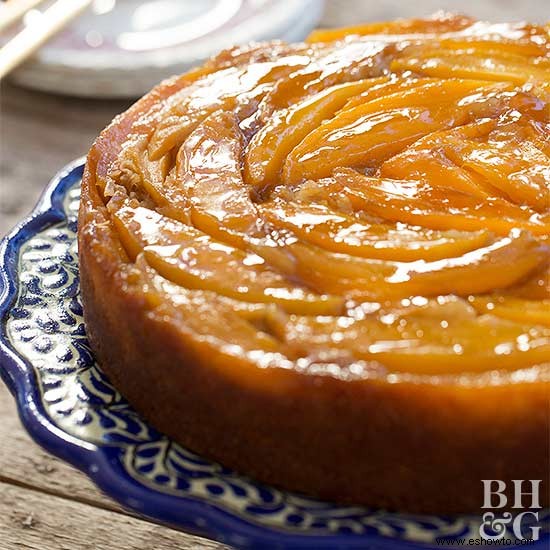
352	423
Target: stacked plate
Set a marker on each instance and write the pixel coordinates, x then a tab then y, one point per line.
121	48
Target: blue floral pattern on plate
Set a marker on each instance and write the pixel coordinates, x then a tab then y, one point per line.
70	408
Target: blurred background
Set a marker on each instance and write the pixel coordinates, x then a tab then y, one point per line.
53	106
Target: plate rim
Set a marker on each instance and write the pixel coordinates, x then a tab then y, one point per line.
99	463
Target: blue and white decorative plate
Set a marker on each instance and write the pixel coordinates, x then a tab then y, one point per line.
70	408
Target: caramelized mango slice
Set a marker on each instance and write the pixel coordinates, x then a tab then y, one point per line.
449	63
268	149
422	345
407	27
368	134
192	259
208	180
536	287
206	312
327	67
417	203
160	290
337	232
384	87
516	309
497	265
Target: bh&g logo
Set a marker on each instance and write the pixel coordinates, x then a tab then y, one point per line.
493	526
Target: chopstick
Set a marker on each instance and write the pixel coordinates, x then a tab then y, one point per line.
50	22
14	10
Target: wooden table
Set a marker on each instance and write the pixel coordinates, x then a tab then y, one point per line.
44	503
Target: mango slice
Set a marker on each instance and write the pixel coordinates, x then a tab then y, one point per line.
208	181
438	208
451	63
192	259
405	343
268	149
495	266
406	27
368	134
528	312
338	232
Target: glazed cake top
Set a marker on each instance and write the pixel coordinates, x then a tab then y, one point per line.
376	199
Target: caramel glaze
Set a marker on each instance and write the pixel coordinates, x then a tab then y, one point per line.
355	225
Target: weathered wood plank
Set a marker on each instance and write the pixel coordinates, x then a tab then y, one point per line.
36	521
39	134
24	465
22	462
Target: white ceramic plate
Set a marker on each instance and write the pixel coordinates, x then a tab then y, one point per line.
122	48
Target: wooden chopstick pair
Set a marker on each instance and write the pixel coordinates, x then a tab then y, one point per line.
47	24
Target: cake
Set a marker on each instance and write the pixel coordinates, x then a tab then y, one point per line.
326	265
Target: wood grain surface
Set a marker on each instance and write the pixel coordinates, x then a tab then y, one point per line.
44	503
35	520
